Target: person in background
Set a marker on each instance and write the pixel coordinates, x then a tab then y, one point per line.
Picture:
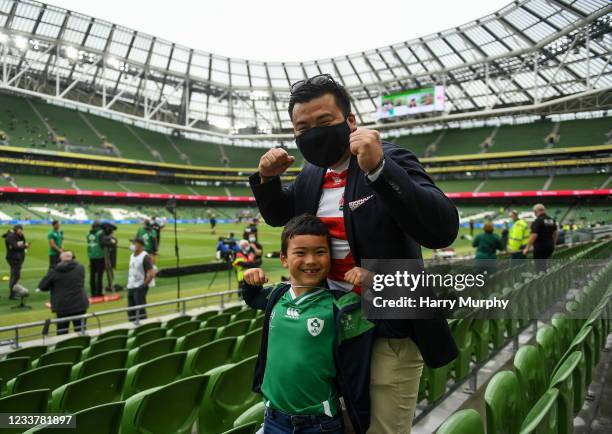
158	224
250	232
66	283
140	275
16	246
543	237
95	252
471	228
212	219
487	244
56	243
518	236
245	258
504	235
149	237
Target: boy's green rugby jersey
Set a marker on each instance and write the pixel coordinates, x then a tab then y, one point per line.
300	368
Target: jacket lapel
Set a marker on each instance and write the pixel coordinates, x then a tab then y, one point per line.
311	195
349	195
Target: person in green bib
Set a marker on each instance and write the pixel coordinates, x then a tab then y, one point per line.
487	244
56	242
147	233
95	252
314	346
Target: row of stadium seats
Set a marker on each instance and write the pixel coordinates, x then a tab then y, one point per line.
549	383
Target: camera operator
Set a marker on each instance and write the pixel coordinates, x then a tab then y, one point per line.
109	248
16	246
158	223
226	249
95	253
250	232
245	259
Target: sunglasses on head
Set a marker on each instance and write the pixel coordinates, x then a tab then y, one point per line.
317	79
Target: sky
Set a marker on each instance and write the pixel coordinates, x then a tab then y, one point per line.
285	30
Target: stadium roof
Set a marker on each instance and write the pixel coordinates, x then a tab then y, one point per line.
527	55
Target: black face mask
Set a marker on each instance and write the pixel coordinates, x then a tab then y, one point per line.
324	146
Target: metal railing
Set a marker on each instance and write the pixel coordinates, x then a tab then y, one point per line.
17	333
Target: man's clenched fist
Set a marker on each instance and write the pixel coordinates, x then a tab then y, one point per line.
255	277
366	145
274	163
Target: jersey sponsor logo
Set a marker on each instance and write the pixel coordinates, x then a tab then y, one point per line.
315	326
292	313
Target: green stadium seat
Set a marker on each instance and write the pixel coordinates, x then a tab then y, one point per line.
436	381
548	345
565	330
248	345
104	346
233	309
104	362
112	334
462	332
63	355
202	359
498	335
244	314
88	392
258	322
220	320
254	414
151	350
237	328
542	418
462	422
10	368
157	372
47	377
196	339
167	409
184	328
481	335
227	396
146	337
144	327
584	341
33	401
32	352
76	341
102	419
563	381
248	428
205	315
504	404
530	371
170	324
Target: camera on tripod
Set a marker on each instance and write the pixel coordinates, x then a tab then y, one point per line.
226	249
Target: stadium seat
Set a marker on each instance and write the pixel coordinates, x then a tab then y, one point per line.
170	324
233	329
102	419
255	414
542	418
145	337
548	344
257	323
31	352
104	346
144	327
462	332
184	328
233	309
104	362
202	359
196	339
504	404
244	314
462	422
63	355
151	350
530	371
584	342
227	396
88	392
167	409
157	372
10	368
498	335
33	401
205	315
565	330
481	335
220	320
47	377
76	341
563	381
248	428
112	334
247	345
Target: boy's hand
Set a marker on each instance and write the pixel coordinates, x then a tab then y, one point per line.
355	276
255	277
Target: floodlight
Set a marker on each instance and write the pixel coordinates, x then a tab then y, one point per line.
71	53
21	43
3	38
113	62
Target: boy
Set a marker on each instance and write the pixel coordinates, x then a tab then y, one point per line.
301	370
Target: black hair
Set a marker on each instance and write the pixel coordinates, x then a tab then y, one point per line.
309	91
304	224
54	222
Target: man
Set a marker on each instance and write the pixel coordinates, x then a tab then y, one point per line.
250	232
543	237
518	236
56	242
16	246
149	236
66	282
158	224
393	208
140	275
95	252
245	258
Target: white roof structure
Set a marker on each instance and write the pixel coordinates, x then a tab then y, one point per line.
531	56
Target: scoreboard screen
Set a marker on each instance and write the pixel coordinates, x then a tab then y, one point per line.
413	101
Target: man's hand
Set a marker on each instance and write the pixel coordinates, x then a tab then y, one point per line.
525	251
255	277
366	145
356	276
274	163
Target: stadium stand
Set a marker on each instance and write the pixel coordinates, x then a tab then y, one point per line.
18	121
514	183
576	182
585	132
521	136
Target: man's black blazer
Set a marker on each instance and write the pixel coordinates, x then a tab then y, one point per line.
401	211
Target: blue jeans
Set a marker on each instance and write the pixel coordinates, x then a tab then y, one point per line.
277	422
